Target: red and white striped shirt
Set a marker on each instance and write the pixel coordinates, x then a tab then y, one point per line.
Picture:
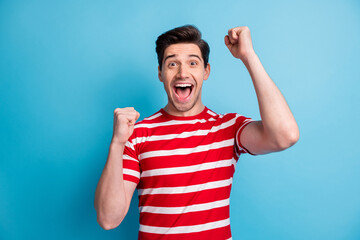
184	168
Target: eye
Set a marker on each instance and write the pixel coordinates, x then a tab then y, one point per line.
172	64
193	63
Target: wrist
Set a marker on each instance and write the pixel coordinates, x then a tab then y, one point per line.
117	142
248	58
247	55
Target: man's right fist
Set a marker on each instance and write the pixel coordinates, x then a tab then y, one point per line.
124	120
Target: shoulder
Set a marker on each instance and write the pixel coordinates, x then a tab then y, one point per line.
156	117
227	116
234	119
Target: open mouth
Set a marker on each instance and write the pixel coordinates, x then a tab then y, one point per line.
183	90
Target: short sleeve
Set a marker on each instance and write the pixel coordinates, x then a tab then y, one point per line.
240	124
131	167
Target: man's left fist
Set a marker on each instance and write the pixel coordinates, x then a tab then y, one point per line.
239	42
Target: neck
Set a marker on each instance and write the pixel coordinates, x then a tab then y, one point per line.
195	110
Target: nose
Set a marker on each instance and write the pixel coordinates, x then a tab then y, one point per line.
183	72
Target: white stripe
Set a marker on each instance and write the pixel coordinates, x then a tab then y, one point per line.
184	134
188	169
237	154
186	189
211	113
131	172
186	209
245	123
154	116
139	140
237	133
185	151
130	145
127	157
168	123
185	229
234	162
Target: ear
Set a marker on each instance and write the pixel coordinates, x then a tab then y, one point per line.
207	72
159	74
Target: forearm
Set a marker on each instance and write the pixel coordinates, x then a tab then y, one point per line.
110	198
278	122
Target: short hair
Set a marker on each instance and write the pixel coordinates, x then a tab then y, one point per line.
183	34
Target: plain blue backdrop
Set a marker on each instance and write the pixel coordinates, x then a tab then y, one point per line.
66	65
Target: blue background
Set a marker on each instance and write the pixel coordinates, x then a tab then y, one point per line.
66	65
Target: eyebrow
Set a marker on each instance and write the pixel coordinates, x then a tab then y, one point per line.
174	55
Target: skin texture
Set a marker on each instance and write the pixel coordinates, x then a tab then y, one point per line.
124	121
113	194
276	131
183	64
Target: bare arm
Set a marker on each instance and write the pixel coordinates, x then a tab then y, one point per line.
277	129
113	194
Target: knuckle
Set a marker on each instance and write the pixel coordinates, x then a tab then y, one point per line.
126	113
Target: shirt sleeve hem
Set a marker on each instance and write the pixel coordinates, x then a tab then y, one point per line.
238	137
131	179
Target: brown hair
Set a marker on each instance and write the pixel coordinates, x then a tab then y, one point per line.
184	34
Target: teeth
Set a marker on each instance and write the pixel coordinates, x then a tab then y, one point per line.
183	85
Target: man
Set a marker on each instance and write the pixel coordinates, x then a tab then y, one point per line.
182	158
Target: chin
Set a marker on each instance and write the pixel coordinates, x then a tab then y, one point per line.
183	108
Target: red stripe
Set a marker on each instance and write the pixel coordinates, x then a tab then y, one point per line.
184	219
184	179
186	160
187	179
185	199
214	234
131	164
239	142
179	128
190	142
130	178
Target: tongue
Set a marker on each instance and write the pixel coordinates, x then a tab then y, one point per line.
183	92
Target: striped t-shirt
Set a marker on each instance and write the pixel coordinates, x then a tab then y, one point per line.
184	168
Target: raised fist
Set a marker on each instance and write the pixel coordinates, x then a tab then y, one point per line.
239	42
124	120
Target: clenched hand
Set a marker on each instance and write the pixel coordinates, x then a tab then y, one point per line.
239	42
124	121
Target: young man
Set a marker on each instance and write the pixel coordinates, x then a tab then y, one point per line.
182	158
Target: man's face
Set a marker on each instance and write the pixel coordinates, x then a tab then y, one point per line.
183	74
